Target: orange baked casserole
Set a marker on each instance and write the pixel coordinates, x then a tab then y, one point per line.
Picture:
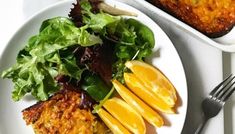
61	114
213	18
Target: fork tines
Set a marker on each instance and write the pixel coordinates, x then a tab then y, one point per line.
224	90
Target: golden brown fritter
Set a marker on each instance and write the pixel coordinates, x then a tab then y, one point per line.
214	18
61	115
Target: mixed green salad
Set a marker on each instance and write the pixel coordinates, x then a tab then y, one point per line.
86	49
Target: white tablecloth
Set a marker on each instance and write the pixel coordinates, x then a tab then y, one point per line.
203	64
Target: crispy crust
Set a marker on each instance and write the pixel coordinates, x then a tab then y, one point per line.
213	18
61	115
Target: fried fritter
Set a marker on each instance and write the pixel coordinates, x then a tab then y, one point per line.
214	18
62	114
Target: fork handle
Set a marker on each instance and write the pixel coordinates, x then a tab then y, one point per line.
201	126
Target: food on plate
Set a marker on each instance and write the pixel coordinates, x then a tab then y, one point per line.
115	126
214	18
146	112
138	88
147	88
68	67
74	64
154	81
63	113
119	109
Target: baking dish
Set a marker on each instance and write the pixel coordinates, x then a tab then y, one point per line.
225	43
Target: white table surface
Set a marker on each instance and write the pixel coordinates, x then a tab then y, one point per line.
203	64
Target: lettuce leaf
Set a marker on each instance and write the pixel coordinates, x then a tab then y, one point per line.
95	21
46	55
95	87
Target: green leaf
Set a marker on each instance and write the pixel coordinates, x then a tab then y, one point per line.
85	5
71	67
134	40
143	32
95	87
125	32
96	21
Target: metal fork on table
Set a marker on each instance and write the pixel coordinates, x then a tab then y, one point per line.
212	105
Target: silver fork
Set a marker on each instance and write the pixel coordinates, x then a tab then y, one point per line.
212	105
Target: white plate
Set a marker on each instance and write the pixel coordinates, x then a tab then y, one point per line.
225	43
165	57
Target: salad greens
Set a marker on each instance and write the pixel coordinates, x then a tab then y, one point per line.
134	38
45	56
49	54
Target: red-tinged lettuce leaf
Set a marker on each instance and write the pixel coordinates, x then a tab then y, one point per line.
94	5
103	60
76	15
99	59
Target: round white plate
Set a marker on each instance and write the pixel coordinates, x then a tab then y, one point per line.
165	57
